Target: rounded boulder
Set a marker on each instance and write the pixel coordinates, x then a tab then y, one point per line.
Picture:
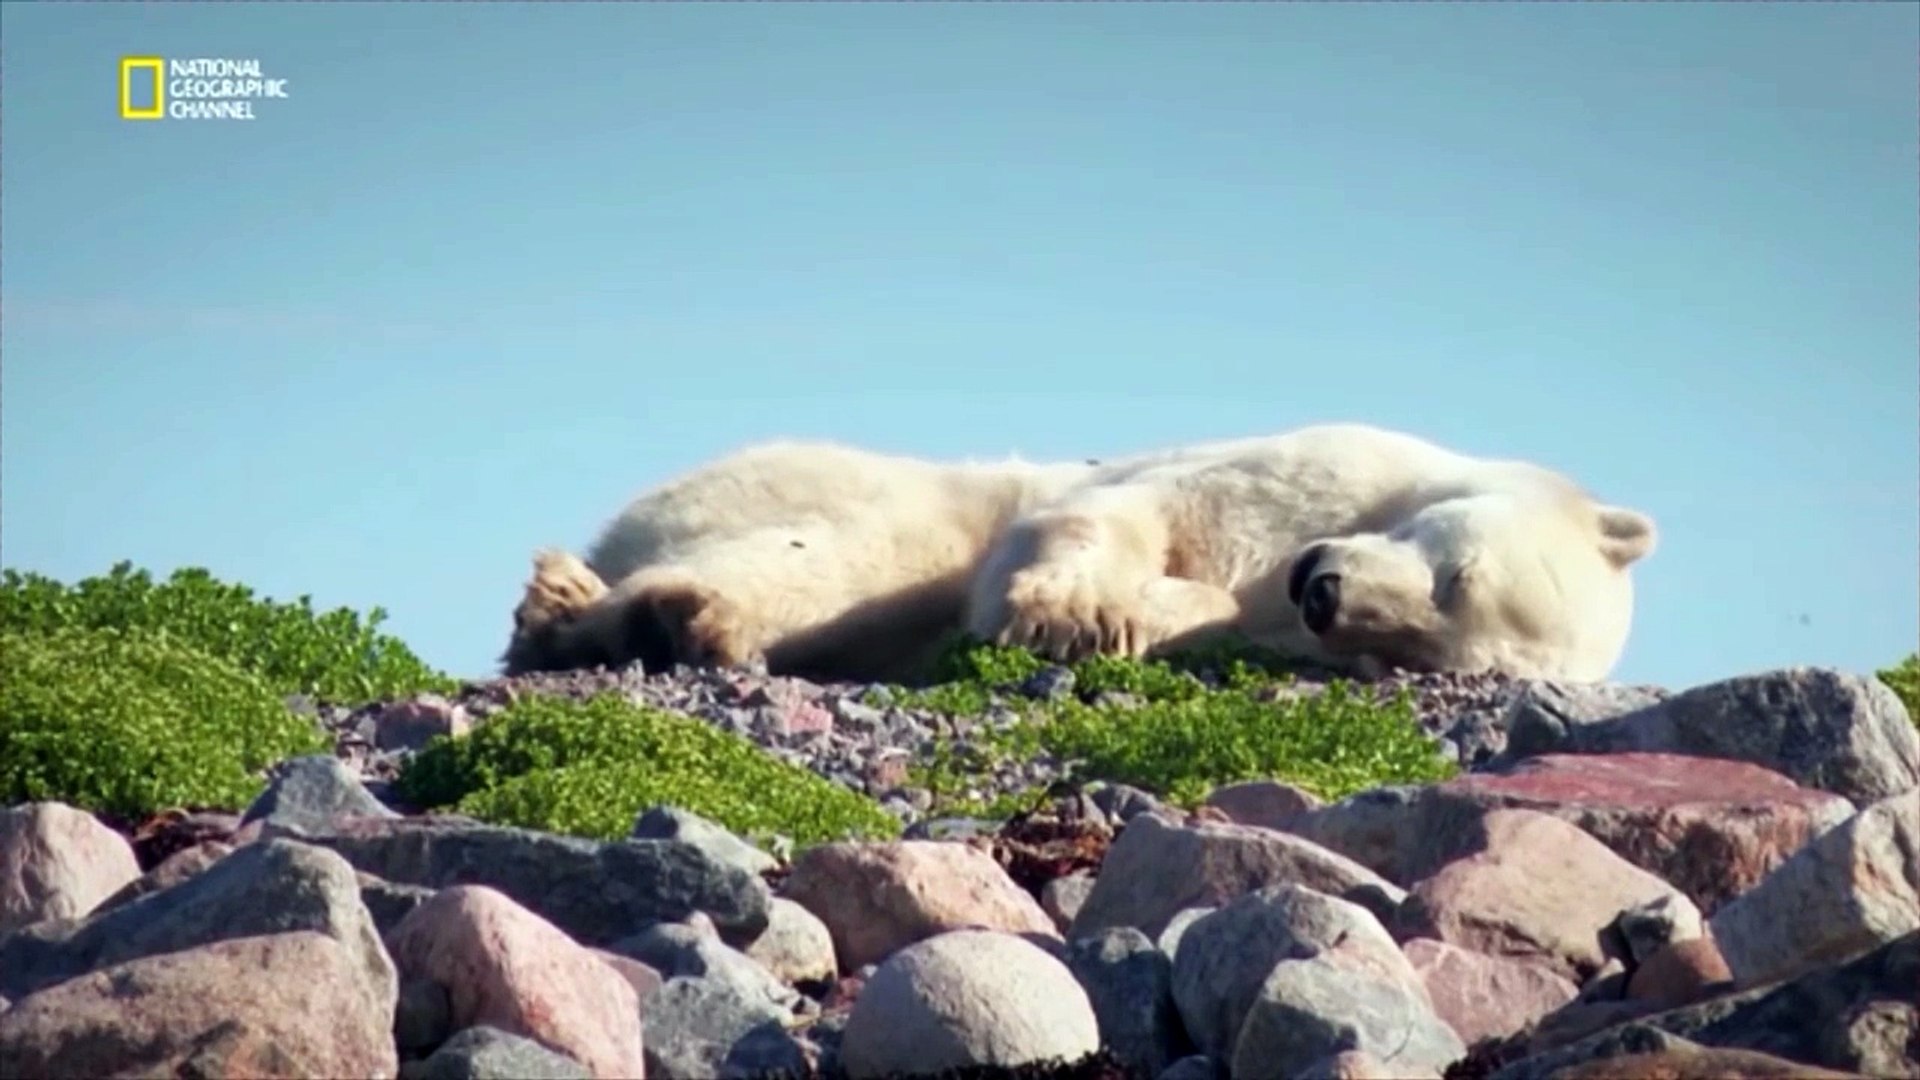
967	998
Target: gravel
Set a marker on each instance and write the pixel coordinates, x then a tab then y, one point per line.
858	736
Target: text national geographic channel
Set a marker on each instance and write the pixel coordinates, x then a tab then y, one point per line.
200	88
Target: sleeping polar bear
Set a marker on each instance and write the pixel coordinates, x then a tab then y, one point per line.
1348	546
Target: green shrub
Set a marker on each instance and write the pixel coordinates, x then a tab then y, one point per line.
1175	727
127	722
589	768
1904	679
333	656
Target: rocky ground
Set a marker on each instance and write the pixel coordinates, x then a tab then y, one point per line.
1625	882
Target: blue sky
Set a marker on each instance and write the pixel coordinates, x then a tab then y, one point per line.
489	270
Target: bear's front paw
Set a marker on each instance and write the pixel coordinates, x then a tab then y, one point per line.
1065	617
704	627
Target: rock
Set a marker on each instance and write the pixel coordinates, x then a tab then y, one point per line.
596	892
1646	928
306	794
1680	974
1401	833
1064	896
275	886
1315	1008
796	947
1359	1065
1698	1063
487	1053
1541	712
694	1022
644	979
1129	983
1481	996
1571	1023
1123	802
1607	983
967	998
1538	888
288	1005
57	862
675	949
422	1017
767	1051
1861	1016
876	898
1225	957
672	823
1155	869
1831	730
1710	828
1856	887
389	903
1169	940
411	725
508	968
171	871
1193	1067
1269	804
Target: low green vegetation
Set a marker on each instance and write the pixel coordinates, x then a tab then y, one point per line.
335	656
1904	679
126	696
588	768
1176	727
127	722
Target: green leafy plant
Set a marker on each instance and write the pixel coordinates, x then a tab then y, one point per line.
334	656
126	722
589	768
1177	727
1903	679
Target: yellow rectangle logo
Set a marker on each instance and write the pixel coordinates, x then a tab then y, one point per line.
129	65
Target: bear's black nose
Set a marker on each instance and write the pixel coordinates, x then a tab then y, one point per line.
1304	565
1320	602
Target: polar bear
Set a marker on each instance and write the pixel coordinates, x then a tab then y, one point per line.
1344	545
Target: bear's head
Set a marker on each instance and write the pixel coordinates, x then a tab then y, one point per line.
1531	582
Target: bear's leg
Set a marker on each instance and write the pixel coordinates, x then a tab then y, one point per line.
1089	576
730	602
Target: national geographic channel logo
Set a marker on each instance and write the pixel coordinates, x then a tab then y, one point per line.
202	88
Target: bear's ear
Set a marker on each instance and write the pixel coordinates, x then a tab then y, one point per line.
1626	536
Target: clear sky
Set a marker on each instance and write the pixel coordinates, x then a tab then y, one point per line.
489	270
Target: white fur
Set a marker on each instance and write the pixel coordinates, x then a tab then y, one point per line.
840	562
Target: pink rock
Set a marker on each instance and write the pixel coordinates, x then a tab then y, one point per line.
1482	996
876	898
1851	890
505	966
642	977
410	725
1267	803
1680	973
280	1005
57	862
1709	826
1157	868
804	718
1538	888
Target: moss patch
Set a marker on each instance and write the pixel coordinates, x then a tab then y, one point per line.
1177	727
290	647
589	768
1904	679
127	722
